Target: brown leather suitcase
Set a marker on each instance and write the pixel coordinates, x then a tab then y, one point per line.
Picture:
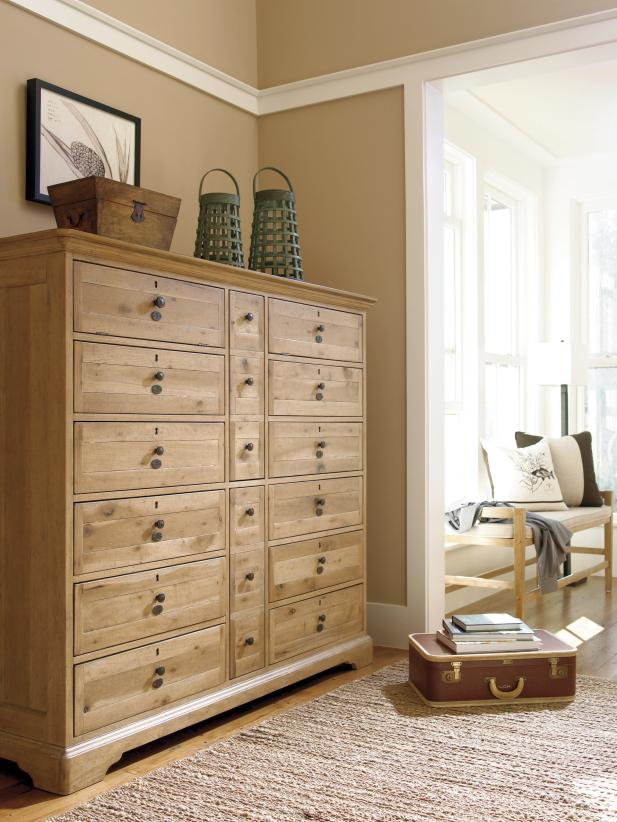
442	678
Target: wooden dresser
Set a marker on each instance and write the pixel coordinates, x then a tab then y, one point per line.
182	494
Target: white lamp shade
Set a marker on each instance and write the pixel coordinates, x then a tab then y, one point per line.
560	363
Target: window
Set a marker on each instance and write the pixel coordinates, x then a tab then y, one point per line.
600	228
501	282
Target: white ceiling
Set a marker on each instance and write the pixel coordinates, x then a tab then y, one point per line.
569	113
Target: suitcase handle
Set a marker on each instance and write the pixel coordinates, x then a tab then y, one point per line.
499	694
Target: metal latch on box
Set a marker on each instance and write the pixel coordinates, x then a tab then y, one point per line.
454	675
557	671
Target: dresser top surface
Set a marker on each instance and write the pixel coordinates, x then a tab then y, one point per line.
122	254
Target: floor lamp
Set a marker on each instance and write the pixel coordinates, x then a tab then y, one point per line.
565	365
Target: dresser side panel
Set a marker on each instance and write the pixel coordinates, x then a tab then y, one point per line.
34	507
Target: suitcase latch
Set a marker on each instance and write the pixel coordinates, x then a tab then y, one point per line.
454	675
557	671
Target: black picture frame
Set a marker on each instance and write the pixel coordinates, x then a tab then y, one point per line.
34	136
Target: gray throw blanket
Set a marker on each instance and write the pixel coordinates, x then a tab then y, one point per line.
550	537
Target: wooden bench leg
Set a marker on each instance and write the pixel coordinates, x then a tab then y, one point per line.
519	562
608	545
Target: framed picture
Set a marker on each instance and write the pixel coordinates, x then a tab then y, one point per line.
69	136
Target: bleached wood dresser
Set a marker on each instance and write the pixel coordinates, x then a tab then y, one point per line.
182	492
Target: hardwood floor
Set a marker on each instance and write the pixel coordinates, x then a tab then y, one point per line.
597	657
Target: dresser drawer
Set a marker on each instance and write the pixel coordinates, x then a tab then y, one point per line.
306	507
303	567
309	331
297	448
306	389
145	306
119	379
247	643
246	575
246	516
135	606
115	533
118	456
124	685
295	629
246	385
246	450
246	322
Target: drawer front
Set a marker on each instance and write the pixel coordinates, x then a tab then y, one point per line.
303	567
135	606
148	307
298	448
246	516
119	379
118	456
247	643
246	574
124	685
295	629
309	331
246	450
306	507
246	385
305	389
246	322
115	533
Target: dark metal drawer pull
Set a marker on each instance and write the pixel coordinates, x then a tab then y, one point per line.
319	627
160	375
156	463
159	450
321	444
320	328
156	316
160	523
249	640
250	512
249	317
157	609
159	301
157	683
249	381
156	389
160	597
321	386
322	560
249	446
250	576
157	536
160	670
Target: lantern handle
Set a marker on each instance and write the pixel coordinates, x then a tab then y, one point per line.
278	171
224	172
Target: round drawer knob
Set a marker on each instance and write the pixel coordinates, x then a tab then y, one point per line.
159	301
157	609
160	670
319	338
156	389
249	317
319	512
249	381
249	446
319	627
319	396
156	316
155	463
157	683
320	328
322	560
249	640
321	444
160	375
322	617
156	536
250	576
320	501
319	453
321	386
250	512
159	450
160	597
160	523
320	569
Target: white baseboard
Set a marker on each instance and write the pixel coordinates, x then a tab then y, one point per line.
389	625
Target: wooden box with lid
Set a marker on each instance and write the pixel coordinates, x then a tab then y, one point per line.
182	491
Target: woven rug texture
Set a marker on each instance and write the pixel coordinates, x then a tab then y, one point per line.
371	752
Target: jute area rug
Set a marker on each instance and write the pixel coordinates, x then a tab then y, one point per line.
370	751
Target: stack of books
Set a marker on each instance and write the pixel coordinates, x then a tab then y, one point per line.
487	633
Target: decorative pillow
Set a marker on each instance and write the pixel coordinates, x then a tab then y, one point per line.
573	461
524	477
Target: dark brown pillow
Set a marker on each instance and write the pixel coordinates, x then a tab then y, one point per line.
573	463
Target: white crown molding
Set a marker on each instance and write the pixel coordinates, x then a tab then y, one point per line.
117	36
590	30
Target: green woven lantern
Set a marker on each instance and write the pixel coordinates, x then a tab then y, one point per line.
218	225
275	246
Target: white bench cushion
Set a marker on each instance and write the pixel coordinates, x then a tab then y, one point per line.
576	519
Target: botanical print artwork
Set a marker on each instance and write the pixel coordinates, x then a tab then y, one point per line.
534	468
78	140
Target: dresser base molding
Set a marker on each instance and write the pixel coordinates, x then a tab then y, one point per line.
66	770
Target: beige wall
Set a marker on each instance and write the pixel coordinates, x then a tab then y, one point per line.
184	132
222	33
345	160
305	38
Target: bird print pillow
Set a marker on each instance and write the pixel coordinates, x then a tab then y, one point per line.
524	477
